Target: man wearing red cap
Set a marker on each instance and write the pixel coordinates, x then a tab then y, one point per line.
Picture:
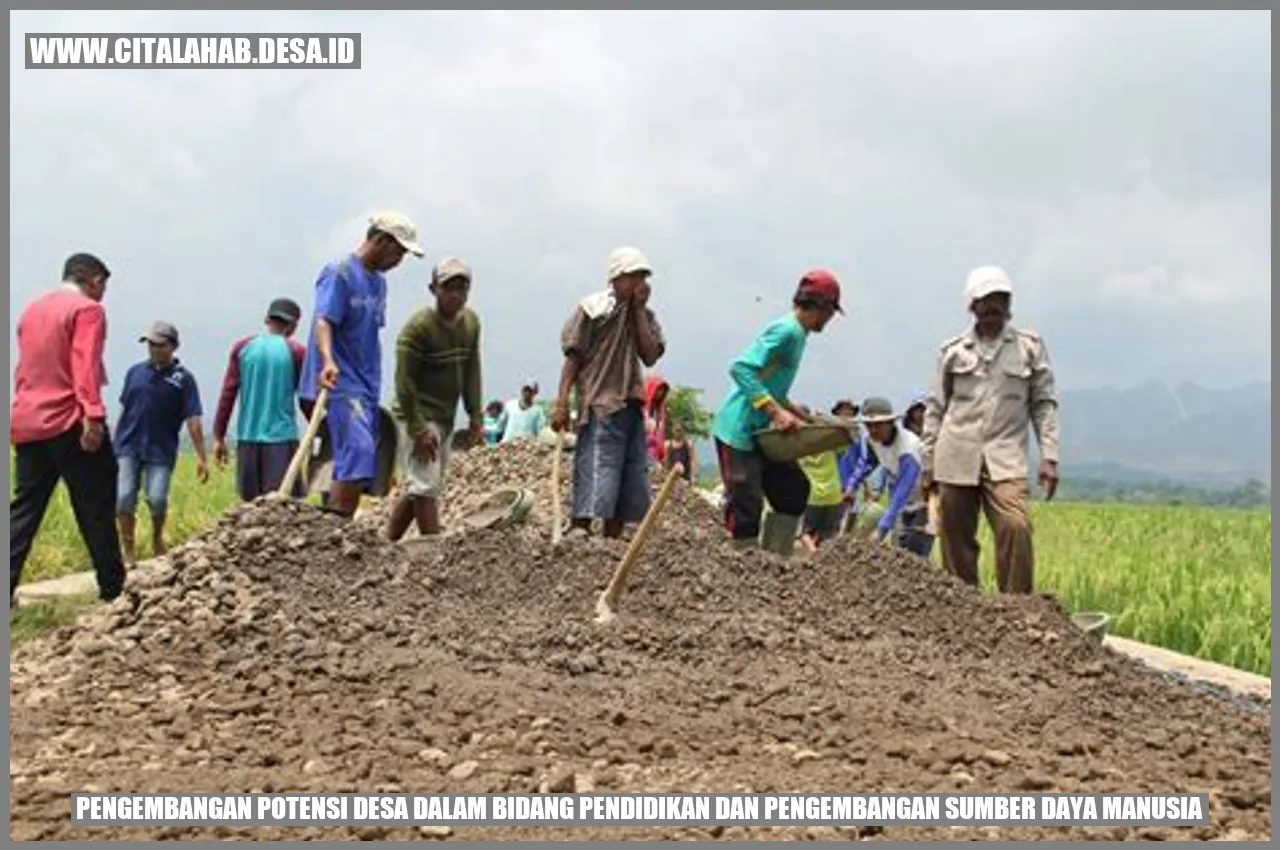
762	378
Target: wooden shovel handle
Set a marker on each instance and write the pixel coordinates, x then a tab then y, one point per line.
557	519
304	447
628	563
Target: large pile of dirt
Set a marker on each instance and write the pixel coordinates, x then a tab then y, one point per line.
476	475
287	651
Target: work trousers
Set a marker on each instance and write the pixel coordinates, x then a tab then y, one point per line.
749	478
1007	506
91	482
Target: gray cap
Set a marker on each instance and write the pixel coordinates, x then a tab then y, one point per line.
160	333
876	409
450	268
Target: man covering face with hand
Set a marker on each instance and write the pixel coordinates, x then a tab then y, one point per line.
607	341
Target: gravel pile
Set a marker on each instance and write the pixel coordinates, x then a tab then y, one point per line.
288	651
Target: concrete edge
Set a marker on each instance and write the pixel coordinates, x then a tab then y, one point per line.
1168	661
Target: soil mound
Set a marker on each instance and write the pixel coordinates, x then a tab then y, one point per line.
288	651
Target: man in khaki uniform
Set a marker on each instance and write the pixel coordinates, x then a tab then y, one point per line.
991	382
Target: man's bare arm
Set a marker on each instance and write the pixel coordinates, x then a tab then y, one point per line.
324	340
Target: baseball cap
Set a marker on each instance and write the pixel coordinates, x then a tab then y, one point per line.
627	260
160	332
400	228
449	268
822	284
86	261
285	309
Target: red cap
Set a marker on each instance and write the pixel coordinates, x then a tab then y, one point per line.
822	284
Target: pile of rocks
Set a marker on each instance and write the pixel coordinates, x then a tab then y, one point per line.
286	650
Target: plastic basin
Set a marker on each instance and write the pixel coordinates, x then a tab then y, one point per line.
501	509
1092	623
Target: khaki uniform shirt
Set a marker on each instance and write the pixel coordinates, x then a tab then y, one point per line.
980	405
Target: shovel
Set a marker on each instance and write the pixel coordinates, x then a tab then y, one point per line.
304	447
557	519
609	598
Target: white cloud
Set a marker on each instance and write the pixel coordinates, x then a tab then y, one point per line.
1113	162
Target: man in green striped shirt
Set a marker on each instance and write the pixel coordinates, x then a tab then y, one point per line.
437	363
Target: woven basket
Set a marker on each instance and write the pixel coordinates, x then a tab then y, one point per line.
809	439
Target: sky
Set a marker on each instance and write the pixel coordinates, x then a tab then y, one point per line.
1116	164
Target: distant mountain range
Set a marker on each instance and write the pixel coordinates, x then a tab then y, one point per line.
1156	434
1174	432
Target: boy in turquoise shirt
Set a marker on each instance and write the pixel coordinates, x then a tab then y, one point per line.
762	379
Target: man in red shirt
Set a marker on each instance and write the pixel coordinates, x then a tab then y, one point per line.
58	422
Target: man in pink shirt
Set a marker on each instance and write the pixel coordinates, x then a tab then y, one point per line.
59	422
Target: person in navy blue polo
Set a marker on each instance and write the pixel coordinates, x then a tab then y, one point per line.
159	395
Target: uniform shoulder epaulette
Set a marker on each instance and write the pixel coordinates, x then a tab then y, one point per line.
951	342
1029	334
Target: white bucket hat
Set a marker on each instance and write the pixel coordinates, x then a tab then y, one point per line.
626	260
984	281
876	409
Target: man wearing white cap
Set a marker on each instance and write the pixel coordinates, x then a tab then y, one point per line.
437	365
344	354
990	384
607	341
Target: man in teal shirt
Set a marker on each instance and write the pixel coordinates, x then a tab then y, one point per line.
524	418
762	378
262	374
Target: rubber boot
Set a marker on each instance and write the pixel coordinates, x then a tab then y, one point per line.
779	535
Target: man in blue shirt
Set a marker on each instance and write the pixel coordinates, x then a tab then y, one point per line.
159	395
762	378
344	354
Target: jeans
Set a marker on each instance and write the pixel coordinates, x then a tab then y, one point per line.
611	467
131	475
91	482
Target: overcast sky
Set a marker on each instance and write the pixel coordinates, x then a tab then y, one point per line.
1117	164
